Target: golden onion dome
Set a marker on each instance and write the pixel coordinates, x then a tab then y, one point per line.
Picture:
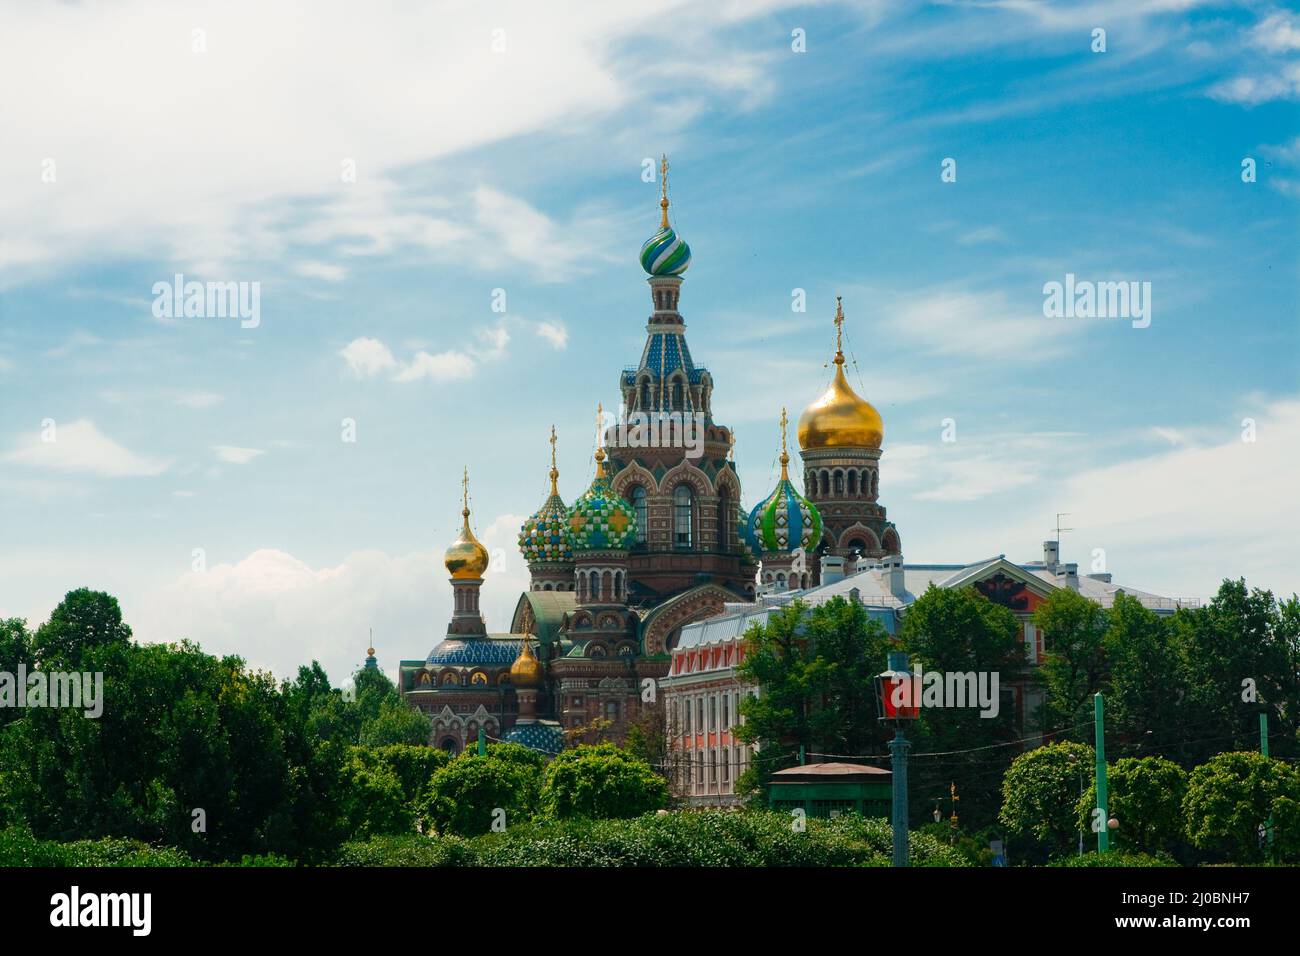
466	558
526	671
839	418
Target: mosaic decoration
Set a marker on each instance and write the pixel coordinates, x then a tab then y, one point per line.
600	520
542	537
784	521
546	737
474	651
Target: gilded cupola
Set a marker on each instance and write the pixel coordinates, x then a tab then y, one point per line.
840	419
466	559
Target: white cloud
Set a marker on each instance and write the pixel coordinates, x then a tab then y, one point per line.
982	235
279	612
1277	33
554	333
321	270
234	455
79	446
979	325
211	201
368	357
447	366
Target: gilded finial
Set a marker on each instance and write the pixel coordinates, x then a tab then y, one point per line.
839	331
731	445
555	472
370	651
464	491
600	440
785	456
663	184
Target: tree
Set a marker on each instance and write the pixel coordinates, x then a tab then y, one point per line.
1074	668
1232	796
1240	652
1146	796
373	801
396	722
83	620
959	631
816	669
601	782
1040	793
1146	700
467	796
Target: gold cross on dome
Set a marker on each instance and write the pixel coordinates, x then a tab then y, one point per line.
663	182
839	323
731	445
464	487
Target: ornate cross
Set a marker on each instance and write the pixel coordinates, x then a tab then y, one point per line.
839	323
663	182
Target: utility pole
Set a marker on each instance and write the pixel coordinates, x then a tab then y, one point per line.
482	742
1103	798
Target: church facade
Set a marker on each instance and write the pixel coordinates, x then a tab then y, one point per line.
658	541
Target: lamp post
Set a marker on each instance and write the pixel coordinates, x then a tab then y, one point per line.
898	699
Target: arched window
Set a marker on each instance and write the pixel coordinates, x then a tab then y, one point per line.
682	516
593	586
645	395
853	483
839	483
826	483
642	519
677	397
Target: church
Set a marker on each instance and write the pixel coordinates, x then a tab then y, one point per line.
659	540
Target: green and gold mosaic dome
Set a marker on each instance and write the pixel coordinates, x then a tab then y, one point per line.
600	520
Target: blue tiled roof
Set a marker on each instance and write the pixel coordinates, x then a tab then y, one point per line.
475	650
546	737
665	352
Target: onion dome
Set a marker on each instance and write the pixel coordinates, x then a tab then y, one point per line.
466	559
747	539
600	520
542	538
542	735
840	419
786	520
526	671
665	253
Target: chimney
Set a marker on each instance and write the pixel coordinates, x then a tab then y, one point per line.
832	568
1103	576
1067	575
891	569
1051	554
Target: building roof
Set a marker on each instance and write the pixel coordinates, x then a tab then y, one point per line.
494	649
830	771
872	585
549	608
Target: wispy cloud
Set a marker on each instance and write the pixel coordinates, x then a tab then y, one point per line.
79	446
234	455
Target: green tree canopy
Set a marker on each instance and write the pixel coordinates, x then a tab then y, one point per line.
601	782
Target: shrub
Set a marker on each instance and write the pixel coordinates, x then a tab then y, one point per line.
601	782
1229	797
1114	860
465	795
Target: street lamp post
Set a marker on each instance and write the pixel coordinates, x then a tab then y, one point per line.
899	700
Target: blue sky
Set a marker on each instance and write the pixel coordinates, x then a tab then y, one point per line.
520	169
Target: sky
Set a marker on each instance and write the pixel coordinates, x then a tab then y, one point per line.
442	206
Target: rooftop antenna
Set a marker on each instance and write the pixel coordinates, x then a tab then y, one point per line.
1059	529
